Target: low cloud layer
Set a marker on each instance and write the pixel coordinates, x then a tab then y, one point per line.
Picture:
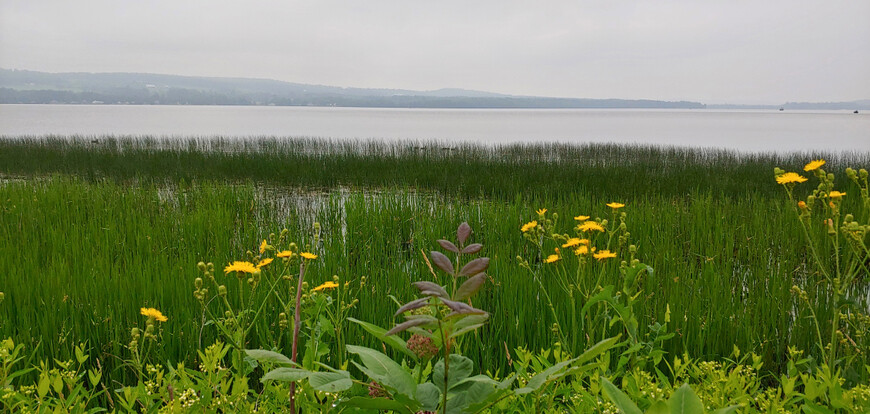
723	51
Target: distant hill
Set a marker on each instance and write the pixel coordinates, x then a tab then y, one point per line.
23	87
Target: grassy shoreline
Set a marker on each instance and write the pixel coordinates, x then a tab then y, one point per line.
112	226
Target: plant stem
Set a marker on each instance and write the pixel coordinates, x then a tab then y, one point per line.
296	320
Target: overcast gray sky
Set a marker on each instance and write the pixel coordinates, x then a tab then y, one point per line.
710	51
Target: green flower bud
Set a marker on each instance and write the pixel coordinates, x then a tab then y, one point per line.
201	266
135	332
198	282
862	173
222	290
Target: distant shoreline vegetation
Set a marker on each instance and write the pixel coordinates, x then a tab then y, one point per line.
31	87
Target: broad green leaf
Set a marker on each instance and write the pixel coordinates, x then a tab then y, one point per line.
618	398
262	355
812	408
685	401
659	407
285	374
469	393
428	395
597	349
393	341
330	381
460	368
544	376
385	371
379	404
727	410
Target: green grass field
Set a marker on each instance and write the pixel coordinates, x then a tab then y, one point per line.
93	231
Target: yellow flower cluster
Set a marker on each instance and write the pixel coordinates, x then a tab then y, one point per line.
245	267
790	177
528	226
326	285
153	313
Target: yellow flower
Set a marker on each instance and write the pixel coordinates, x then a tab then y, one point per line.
285	253
789	178
264	262
604	254
581	218
327	285
246	267
814	165
542	211
590	226
836	194
528	226
153	313
263	246
309	256
552	258
615	205
583	250
574	241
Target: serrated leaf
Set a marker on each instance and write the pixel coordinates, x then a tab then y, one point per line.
447	245
262	355
472	248
414	304
285	374
442	262
393	341
431	289
685	401
619	399
474	267
470	287
330	381
463	232
410	324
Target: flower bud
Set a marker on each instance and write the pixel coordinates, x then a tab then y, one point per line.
149	329
201	266
198	282
222	290
335	278
862	173
135	332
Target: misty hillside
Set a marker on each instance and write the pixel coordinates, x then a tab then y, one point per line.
22	86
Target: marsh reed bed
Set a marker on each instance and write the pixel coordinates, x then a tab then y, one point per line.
94	228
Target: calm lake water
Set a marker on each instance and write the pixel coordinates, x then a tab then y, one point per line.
786	131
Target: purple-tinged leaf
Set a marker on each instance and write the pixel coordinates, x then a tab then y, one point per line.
442	262
446	245
431	289
470	287
474	267
410	324
461	308
472	248
414	304
463	232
